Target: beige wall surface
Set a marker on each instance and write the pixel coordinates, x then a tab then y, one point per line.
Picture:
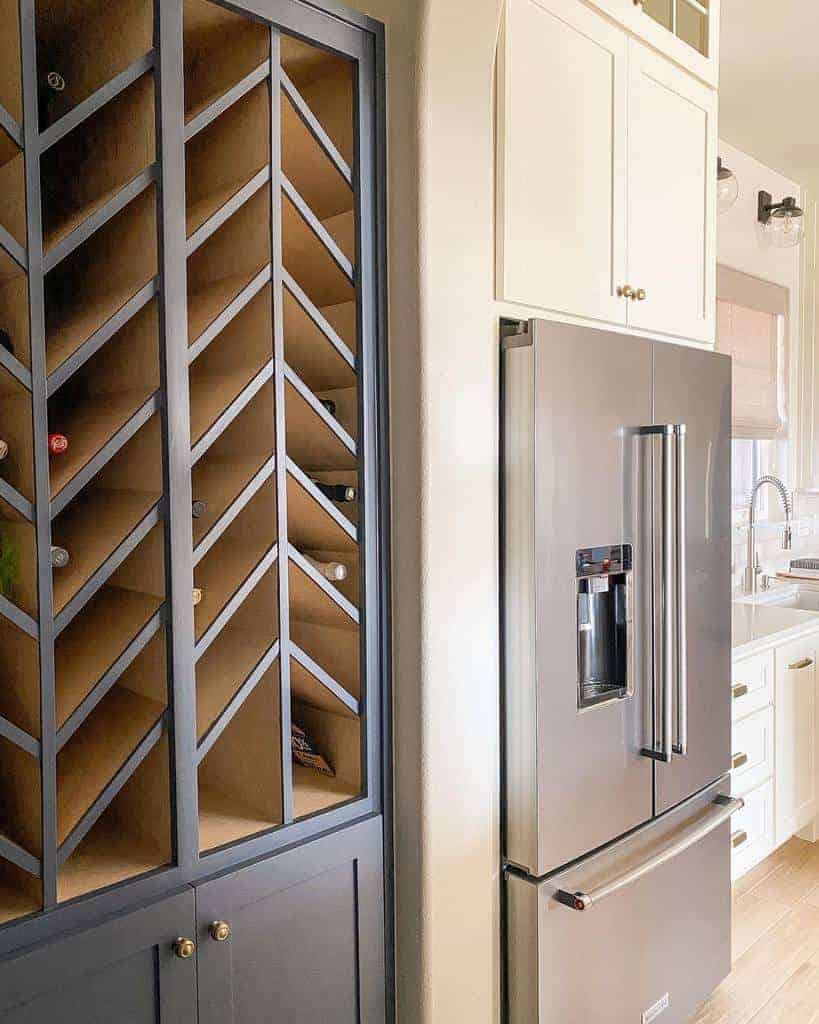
444	412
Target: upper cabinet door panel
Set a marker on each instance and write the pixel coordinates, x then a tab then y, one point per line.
687	31
672	198
562	134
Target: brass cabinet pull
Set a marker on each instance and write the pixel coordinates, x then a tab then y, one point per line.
738	760
219	931
740	690
802	663
625	291
738	838
640	295
184	948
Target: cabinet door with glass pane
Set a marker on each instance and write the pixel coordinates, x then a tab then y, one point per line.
685	30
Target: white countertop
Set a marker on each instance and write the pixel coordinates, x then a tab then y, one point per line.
756	627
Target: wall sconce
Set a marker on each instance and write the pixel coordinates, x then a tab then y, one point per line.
727	187
784	221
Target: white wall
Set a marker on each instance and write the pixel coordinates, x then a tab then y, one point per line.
444	410
744	247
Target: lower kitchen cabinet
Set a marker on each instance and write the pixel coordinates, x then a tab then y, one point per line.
795	736
295	938
774	743
306	936
128	970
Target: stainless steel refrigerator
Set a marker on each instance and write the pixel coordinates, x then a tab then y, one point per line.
617	667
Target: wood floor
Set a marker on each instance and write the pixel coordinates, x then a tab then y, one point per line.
775	977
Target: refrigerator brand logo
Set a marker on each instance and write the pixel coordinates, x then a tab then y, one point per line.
653	1012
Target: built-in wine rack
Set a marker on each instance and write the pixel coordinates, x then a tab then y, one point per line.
191	607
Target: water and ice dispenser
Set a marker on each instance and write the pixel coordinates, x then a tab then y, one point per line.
604	624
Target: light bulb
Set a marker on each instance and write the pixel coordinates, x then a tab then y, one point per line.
727	187
727	193
786	231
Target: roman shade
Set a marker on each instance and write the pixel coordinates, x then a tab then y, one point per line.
752	327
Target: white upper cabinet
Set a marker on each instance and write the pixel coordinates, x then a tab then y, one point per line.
687	31
607	158
562	173
672	159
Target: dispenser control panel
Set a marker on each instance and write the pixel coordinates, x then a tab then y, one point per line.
604	624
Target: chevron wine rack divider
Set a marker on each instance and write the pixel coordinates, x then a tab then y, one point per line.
189	505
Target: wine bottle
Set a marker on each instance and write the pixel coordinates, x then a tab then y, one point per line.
4	450
333	571
49	89
305	753
5	341
337	492
329	405
57	444
199	508
197	596
9	562
59	557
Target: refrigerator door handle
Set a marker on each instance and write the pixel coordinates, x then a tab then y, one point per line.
722	809
681	745
664	750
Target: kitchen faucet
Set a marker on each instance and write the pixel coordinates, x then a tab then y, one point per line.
752	568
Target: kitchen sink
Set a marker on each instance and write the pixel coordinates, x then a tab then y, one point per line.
802	596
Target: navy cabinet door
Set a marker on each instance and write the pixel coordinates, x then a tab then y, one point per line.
123	972
306	936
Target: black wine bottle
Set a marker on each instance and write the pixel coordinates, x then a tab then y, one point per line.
49	90
337	492
199	508
329	405
5	341
59	557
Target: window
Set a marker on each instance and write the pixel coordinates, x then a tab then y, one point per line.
752	327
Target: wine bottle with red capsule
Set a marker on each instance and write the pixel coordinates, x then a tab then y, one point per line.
57	444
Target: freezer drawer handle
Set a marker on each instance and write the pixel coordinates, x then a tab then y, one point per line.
740	690
723	808
802	663
738	838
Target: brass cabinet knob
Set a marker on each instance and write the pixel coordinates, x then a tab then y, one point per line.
184	948
738	760
740	690
625	291
640	295
738	838
219	931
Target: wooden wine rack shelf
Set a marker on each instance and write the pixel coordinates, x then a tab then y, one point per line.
188	296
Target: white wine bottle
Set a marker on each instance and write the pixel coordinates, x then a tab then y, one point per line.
4	450
59	557
199	508
197	596
337	492
333	571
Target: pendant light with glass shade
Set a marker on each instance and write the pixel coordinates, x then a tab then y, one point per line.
783	222
727	187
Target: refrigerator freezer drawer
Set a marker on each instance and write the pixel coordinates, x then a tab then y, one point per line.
650	935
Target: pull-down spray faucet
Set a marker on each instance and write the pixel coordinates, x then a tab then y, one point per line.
752	568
